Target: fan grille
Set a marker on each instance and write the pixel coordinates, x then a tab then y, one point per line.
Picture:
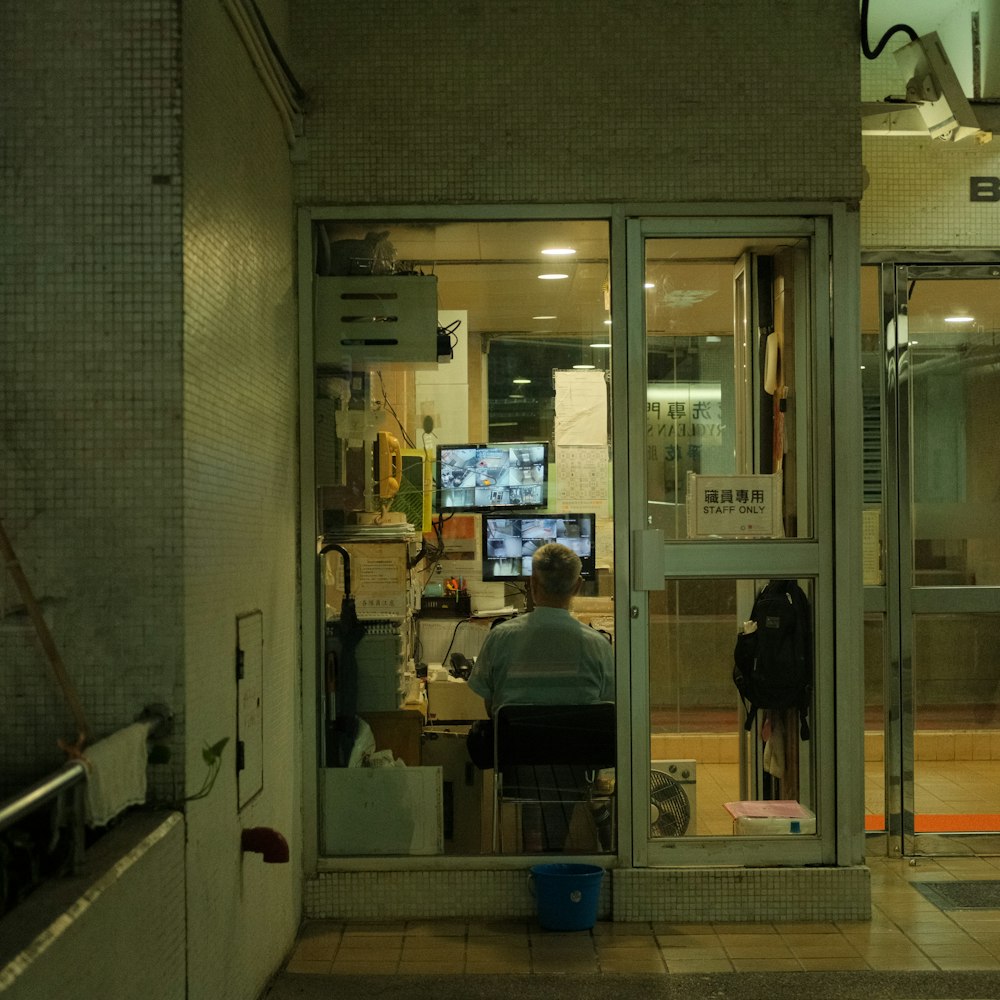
669	808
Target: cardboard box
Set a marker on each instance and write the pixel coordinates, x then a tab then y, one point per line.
381	810
398	732
764	818
453	701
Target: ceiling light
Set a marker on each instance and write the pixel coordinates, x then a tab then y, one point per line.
552	277
544	317
600	345
521	381
584	367
712	339
959	319
607	322
649	284
559	251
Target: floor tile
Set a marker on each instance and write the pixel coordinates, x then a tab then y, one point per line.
766	965
699	965
624	962
839	963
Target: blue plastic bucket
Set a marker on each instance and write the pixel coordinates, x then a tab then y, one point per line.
567	895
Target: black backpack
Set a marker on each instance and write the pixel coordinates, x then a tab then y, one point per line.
773	662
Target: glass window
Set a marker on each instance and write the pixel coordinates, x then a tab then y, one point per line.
515	347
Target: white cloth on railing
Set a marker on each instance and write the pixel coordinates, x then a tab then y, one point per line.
116	773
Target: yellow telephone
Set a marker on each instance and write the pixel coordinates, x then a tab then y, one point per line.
390	465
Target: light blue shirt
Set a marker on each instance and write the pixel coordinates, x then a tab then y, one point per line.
545	657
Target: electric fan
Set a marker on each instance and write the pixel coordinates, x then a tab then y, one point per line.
669	809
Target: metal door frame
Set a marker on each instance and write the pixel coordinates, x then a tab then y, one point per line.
902	600
831	557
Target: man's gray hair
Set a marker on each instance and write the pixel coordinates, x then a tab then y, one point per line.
556	567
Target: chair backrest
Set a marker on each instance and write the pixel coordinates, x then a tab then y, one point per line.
555	734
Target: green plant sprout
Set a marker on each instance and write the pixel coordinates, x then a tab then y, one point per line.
212	755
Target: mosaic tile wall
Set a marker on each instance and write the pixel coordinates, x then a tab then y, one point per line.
148	868
149	425
90	364
241	499
681	895
578	100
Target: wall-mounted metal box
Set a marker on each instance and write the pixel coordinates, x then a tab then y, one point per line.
376	318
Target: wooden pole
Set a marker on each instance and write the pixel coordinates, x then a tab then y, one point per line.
48	643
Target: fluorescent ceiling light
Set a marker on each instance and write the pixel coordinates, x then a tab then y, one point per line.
544	317
607	322
552	277
584	367
649	284
600	345
521	381
559	251
959	319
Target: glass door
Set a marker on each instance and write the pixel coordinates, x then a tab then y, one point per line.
942	368
733	393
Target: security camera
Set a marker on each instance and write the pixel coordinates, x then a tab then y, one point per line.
934	88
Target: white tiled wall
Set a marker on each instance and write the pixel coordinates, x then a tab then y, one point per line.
578	100
240	499
98	944
149	414
90	368
680	895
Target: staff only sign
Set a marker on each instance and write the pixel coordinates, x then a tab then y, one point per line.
734	506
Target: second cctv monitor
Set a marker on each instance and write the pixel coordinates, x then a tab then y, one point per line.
509	542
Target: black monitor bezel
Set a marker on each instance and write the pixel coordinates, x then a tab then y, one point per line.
476	508
588	570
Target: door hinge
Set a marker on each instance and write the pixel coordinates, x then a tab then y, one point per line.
240	755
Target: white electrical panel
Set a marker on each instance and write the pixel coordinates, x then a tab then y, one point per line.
376	318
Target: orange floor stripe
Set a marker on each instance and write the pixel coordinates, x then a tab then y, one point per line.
944	822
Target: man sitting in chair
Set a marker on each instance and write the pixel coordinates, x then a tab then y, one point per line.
546	657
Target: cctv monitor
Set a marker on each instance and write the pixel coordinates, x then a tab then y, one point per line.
510	541
487	477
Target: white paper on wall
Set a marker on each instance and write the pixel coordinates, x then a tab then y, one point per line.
581	408
582	479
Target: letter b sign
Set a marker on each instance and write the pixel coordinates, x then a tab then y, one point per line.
984	189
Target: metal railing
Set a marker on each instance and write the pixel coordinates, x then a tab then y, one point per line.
69	780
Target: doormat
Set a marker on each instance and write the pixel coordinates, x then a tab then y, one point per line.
980	894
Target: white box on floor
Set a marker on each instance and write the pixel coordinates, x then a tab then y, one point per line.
767	817
381	810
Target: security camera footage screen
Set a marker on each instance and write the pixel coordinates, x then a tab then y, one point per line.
509	542
490	476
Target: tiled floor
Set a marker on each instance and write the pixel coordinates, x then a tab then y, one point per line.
906	933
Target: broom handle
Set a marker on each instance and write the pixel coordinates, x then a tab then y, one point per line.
45	637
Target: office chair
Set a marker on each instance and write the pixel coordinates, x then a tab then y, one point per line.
549	756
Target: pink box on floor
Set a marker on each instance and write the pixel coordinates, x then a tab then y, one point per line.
763	818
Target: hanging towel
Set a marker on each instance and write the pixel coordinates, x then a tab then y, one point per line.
116	773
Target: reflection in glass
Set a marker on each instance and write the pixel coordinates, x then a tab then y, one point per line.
954	373
696	723
956	677
728	389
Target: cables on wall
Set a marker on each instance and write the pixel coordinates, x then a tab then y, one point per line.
868	51
282	87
